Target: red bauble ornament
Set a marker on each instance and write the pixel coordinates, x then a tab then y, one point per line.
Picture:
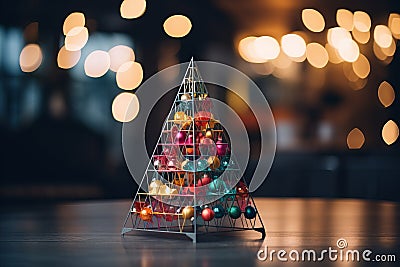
204	180
207	214
242	189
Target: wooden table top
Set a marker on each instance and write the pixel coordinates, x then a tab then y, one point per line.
88	234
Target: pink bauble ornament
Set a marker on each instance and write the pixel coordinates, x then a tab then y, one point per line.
180	137
189	140
221	147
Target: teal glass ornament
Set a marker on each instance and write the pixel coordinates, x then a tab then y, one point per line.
249	212
219	211
217	186
234	212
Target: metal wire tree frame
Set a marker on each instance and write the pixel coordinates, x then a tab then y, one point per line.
172	182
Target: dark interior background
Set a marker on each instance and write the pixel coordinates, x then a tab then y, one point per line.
78	154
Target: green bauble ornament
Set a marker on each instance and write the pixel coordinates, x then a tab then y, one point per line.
219	211
234	212
249	212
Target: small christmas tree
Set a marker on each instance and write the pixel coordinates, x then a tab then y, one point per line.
192	180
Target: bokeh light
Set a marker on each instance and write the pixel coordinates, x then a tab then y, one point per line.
317	56
394	24
132	9
266	48
97	64
386	94
355	139
67	59
361	67
31	32
177	26
378	52
344	19
358	84
348	50
313	20
349	72
336	35
125	107
129	75
389	51
73	20
30	58
282	61
383	36
247	50
361	37
333	54
119	55
76	38
362	21
390	132
293	45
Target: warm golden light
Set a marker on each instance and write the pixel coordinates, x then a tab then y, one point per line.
359	84
313	20
348	50
293	45
266	48
349	73
383	36
378	52
97	64
394	24
390	132
362	21
344	19
67	59
177	26
247	50
389	51
361	37
355	139
282	61
73	20
361	67
31	32
119	55
333	54
129	75
317	56
125	107
76	38
132	9
30	58
386	94
336	35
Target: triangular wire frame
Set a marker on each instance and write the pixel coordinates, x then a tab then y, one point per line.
183	191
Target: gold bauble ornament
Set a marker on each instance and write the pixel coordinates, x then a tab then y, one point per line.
187	212
180	117
214	162
209	133
185	97
146	214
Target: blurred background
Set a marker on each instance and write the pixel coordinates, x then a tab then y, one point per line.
329	69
